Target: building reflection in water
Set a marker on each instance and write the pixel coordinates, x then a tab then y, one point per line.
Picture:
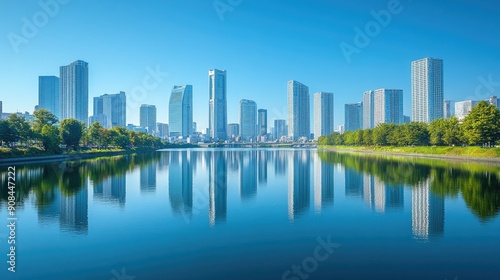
323	184
262	162
217	177
148	177
74	210
353	184
280	162
248	174
427	212
111	189
299	180
180	183
376	193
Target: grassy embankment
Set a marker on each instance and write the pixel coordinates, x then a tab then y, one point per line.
437	151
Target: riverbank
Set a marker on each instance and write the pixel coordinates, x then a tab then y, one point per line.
72	156
476	154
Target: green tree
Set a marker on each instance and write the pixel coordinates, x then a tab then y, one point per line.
43	117
452	132
22	126
367	137
95	134
482	125
417	134
436	131
71	132
8	133
119	137
50	138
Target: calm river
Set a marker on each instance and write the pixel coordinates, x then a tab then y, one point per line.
254	214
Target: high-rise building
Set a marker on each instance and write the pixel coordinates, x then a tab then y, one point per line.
248	119
388	106
427	89
1	110
74	90
195	127
353	116
280	128
368	109
494	101
448	109
217	104
111	108
180	113
298	110
262	122
323	114
233	130
463	108
407	119
48	94
162	130
148	118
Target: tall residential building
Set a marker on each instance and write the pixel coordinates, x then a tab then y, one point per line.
233	130
323	114
494	101
162	130
388	106
280	128
262	113
463	108
248	119
180	113
217	104
110	110
74	91
298	110
407	119
148	118
427	89
48	94
448	109
353	116
368	109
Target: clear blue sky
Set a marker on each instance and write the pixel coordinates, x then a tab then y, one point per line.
262	45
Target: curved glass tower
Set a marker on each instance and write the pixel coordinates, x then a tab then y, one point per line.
180	113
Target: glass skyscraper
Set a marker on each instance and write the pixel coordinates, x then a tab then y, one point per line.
388	106
262	122
353	116
298	110
248	119
48	94
110	110
368	109
148	118
427	89
217	104
323	114
74	90
180	113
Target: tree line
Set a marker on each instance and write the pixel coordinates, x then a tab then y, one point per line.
481	127
47	133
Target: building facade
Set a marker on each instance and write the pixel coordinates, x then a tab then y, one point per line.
280	129
353	116
388	106
427	89
448	109
248	119
262	115
463	108
298	110
113	107
217	104
180	113
323	114
148	118
74	91
233	130
368	109
48	95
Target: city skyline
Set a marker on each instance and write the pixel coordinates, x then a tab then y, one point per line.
471	72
